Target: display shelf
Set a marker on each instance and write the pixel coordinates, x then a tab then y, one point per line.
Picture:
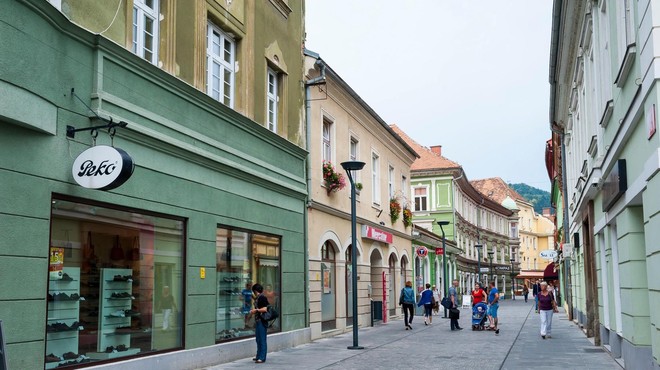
231	309
65	312
109	322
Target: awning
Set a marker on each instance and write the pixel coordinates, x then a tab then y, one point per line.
550	273
530	275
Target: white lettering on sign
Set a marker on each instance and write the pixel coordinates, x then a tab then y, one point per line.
102	167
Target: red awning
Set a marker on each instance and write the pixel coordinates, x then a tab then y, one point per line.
550	273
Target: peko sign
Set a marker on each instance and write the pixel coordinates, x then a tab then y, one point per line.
376	234
102	167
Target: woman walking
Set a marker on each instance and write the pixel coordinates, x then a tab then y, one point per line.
547	306
525	292
261	326
426	300
436	300
478	294
407	301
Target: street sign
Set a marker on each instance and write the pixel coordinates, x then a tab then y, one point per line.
484	269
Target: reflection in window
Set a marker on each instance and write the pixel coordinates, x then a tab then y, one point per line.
242	259
115	285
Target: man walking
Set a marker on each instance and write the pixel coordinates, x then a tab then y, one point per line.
535	292
454	313
493	305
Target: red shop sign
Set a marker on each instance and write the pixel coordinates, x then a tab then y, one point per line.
376	234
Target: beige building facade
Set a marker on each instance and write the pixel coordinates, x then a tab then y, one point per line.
342	128
536	239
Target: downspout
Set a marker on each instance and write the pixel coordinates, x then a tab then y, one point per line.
308	175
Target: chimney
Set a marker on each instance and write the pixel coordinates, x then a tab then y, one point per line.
547	212
437	149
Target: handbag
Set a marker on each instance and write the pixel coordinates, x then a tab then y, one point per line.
454	313
446	302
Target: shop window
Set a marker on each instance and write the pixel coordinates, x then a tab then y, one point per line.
115	284
243	259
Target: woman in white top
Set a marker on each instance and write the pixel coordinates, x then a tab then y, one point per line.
436	297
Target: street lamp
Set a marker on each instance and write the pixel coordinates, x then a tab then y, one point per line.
349	167
479	248
444	259
513	279
490	258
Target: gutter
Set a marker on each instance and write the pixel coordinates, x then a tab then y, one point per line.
320	80
554	56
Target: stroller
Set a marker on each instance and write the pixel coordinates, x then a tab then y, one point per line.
479	316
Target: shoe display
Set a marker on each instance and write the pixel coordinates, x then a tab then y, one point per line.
131	313
66	277
70	356
52	358
122	295
118	313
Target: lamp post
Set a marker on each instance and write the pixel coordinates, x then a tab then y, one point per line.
479	247
490	258
513	280
349	167
444	260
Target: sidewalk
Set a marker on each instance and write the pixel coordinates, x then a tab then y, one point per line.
389	346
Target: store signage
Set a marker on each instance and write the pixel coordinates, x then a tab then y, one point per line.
102	167
548	254
376	234
422	252
439	251
615	184
502	268
484	269
567	250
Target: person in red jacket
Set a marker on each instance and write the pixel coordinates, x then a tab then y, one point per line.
478	294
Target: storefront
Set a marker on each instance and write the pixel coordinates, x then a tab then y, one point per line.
102	264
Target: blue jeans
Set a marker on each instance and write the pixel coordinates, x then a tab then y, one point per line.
262	344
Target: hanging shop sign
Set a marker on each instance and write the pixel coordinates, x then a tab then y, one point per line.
376	234
548	254
615	184
567	250
502	268
102	167
439	251
422	252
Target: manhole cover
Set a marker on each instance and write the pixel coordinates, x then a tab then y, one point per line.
593	349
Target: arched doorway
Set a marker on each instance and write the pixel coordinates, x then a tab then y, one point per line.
328	286
376	282
392	304
404	271
349	285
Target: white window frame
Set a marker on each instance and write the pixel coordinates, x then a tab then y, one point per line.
375	179
327	142
390	180
414	201
140	11
272	97
354	156
224	66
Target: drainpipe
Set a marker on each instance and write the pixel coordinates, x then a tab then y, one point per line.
320	80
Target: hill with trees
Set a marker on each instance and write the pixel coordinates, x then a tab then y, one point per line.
539	198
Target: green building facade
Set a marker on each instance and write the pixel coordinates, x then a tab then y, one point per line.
159	268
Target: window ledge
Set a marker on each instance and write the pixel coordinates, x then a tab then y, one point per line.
607	113
282	7
626	65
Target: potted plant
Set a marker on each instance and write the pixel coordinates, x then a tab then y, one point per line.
407	217
395	209
358	186
333	180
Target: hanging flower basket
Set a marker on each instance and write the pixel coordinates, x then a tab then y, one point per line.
407	217
333	180
395	209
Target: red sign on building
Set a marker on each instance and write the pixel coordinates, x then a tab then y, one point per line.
439	251
376	234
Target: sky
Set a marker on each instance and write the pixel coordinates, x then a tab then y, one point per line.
470	75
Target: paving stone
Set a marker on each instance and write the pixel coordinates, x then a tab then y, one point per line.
390	346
